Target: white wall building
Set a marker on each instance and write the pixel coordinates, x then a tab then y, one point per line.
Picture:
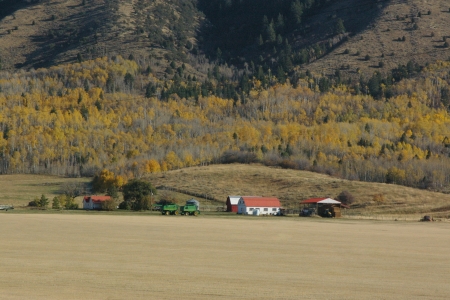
263	205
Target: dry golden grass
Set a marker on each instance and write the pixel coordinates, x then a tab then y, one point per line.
157	257
18	190
381	36
291	186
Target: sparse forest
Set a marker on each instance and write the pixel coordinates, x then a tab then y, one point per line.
111	113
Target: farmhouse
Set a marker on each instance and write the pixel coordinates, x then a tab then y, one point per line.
248	205
323	206
94	202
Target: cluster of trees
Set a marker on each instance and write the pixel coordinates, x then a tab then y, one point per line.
80	119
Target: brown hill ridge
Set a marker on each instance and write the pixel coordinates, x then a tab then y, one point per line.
380	36
404	30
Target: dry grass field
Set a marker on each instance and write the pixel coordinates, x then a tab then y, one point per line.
156	257
424	38
292	186
19	189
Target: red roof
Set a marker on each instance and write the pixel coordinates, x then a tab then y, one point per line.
261	201
313	200
96	198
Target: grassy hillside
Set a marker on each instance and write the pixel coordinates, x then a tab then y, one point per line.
291	187
19	190
45	33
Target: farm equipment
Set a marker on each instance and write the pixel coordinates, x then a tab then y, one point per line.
169	209
307	212
189	209
174	209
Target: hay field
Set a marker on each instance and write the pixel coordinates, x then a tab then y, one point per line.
20	189
156	257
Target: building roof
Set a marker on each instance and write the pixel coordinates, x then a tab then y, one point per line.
257	201
235	199
96	198
320	200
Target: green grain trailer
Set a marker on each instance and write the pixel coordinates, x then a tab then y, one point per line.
169	209
189	209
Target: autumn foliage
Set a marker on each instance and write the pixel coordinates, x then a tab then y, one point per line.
83	119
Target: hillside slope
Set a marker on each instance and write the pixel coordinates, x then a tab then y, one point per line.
402	31
46	33
291	187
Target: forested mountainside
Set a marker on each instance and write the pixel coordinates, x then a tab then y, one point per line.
356	89
353	38
78	119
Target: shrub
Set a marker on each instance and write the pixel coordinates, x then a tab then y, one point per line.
230	157
109	205
367	57
56	204
346	197
378	198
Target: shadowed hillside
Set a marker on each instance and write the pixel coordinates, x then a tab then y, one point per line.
283	37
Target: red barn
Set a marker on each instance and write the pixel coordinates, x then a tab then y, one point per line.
232	203
94	202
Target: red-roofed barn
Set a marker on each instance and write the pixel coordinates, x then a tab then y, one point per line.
94	202
232	203
249	205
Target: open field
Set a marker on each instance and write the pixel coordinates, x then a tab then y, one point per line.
20	189
292	186
155	257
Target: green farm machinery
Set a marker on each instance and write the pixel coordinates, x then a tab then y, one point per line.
169	209
174	209
189	210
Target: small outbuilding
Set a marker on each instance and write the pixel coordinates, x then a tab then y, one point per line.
94	202
325	207
253	205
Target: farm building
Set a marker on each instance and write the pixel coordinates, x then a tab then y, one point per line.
232	203
94	202
249	205
324	206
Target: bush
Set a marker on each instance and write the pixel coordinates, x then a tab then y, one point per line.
378	198
346	198
109	205
56	204
230	157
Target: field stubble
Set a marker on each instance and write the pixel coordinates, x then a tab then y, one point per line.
156	257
